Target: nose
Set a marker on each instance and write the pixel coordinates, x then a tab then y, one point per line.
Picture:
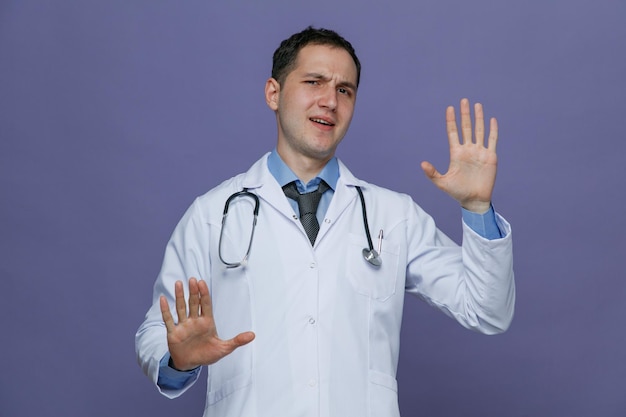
328	97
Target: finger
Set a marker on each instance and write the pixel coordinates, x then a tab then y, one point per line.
480	124
228	346
430	170
453	134
194	298
206	306
181	308
493	134
166	314
466	121
241	339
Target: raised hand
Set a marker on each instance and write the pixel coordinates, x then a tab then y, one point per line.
471	174
193	341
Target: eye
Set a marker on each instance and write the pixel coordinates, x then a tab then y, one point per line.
344	91
312	82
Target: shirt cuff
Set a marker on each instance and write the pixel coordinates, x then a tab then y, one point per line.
173	379
484	225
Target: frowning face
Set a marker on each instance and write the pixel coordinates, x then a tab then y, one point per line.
314	104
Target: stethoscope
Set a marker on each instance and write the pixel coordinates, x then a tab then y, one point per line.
370	254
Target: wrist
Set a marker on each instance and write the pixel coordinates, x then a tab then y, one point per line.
171	364
478	207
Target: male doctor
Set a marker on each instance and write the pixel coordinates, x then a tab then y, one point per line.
292	316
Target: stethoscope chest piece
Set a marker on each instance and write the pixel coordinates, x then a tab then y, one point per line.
372	256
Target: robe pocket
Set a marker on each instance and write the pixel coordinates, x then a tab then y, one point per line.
383	395
228	387
375	282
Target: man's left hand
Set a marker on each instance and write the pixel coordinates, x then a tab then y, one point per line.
472	171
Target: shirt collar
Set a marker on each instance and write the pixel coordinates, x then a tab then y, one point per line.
284	175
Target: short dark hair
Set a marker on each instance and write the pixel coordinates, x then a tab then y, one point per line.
285	56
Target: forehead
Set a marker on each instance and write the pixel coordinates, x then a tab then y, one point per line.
327	60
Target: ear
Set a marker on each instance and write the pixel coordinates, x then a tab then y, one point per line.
272	91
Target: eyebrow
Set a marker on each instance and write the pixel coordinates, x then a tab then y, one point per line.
318	76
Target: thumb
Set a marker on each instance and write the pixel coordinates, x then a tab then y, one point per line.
228	346
243	339
430	170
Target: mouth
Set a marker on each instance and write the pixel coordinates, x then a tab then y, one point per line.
323	122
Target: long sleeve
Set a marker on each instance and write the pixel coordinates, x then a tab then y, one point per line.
173	380
483	224
183	259
473	283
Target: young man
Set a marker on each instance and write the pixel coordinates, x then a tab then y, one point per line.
312	318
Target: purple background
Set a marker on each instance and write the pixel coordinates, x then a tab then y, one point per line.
114	115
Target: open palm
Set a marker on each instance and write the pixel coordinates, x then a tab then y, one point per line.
194	341
471	174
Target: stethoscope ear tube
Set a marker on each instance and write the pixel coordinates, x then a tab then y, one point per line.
255	198
369	254
245	193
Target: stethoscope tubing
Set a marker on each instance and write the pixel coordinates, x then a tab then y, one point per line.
370	254
242	193
365	223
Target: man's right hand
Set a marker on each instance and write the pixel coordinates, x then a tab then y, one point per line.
193	341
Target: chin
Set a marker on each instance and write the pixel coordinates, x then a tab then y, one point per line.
324	147
322	152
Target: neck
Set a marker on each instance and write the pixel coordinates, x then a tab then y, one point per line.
304	167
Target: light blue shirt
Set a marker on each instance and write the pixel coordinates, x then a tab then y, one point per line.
483	224
284	175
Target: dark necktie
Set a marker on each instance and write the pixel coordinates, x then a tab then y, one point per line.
307	205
